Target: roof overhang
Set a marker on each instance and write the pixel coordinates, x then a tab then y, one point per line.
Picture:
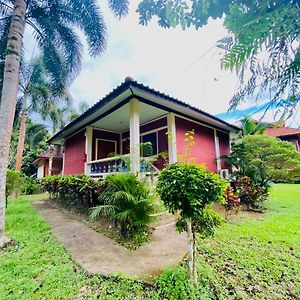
119	97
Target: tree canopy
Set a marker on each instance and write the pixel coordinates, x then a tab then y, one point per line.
264	159
262	44
55	27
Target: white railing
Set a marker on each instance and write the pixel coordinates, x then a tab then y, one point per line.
116	164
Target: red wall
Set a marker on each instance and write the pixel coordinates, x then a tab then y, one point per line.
75	154
204	150
224	142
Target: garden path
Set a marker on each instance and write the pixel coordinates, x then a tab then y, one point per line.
99	254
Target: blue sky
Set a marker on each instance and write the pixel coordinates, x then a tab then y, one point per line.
183	64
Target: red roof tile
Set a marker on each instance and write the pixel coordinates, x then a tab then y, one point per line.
282	131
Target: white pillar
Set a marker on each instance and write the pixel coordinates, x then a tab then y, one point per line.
88	148
218	154
172	147
134	129
63	163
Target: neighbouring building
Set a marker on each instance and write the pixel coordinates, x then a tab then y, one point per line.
49	162
98	141
287	134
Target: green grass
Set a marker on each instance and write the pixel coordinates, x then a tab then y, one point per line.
253	258
38	267
258	258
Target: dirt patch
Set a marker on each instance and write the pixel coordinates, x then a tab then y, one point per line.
239	214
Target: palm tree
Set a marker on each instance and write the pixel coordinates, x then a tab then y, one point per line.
37	94
126	201
61	116
35	143
250	127
54	23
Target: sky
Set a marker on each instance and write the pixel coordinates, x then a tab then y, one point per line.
183	64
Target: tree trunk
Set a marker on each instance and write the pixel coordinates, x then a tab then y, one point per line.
22	133
190	250
9	95
195	275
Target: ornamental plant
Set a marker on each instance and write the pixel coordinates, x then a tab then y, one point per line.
188	190
252	194
126	201
232	201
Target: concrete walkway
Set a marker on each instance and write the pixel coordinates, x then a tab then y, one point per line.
99	254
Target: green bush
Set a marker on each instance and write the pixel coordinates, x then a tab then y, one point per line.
30	185
265	159
189	189
126	201
174	284
78	191
12	182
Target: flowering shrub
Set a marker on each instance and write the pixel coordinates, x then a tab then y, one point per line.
232	201
78	191
251	193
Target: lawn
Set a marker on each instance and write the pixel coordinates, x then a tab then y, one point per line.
257	258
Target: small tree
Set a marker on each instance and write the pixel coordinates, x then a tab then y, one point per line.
265	159
189	190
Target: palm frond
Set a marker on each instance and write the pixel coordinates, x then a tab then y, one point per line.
102	210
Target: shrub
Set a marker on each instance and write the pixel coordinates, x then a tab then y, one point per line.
30	185
189	190
174	284
232	201
251	194
126	201
78	191
12	182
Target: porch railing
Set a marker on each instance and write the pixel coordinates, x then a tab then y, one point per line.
116	164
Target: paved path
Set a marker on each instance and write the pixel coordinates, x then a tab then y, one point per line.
99	254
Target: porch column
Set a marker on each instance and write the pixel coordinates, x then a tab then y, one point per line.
88	149
134	130
50	161
172	147
217	149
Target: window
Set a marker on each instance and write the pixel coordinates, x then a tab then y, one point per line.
104	148
150	138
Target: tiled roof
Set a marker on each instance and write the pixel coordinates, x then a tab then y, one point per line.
282	131
128	83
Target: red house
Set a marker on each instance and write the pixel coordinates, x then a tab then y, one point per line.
97	142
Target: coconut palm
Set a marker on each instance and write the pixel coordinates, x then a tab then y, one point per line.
250	127
126	200
54	23
38	94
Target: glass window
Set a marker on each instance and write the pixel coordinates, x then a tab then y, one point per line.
150	141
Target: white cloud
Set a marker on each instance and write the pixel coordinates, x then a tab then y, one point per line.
184	64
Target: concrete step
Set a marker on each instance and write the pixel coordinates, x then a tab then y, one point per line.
163	219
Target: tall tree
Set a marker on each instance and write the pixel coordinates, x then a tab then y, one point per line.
54	23
37	93
250	127
263	41
35	143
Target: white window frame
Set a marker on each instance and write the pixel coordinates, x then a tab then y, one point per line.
104	140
